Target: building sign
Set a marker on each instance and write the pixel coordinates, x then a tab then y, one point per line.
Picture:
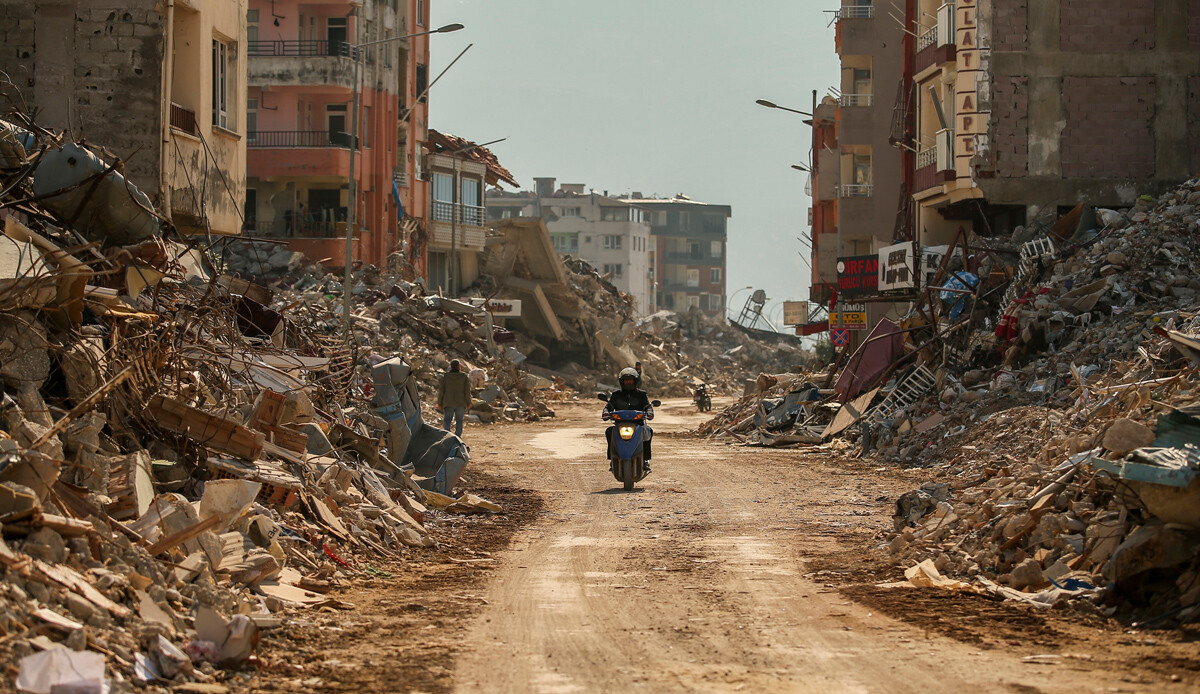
850	317
858	275
897	267
795	313
970	121
499	308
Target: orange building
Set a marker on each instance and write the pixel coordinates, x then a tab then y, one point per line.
299	111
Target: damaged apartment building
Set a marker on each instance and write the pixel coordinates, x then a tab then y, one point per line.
1006	114
77	65
301	84
612	235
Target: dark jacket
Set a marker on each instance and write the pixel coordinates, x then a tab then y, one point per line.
455	390
629	400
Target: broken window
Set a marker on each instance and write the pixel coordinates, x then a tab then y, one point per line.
220	83
693	278
422	81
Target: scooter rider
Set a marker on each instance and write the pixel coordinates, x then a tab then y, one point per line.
630	397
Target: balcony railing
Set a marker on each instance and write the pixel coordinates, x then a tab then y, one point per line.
296	228
857	190
298	138
469	215
855	100
184	119
856	12
927	38
927	157
301	49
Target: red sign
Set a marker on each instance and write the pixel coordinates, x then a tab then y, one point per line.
840	337
858	275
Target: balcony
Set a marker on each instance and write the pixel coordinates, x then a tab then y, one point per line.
288	139
852	100
449	212
268	156
296	229
856	12
856	190
935	45
301	64
300	49
691	259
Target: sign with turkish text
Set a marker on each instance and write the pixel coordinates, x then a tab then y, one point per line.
795	312
850	316
499	308
897	267
858	275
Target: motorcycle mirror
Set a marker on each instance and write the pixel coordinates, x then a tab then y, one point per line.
602	396
656	403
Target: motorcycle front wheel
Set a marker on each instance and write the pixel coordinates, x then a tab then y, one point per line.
627	475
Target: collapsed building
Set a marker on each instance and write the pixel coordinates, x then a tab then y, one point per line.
1050	387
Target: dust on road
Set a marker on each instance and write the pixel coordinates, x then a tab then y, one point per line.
728	569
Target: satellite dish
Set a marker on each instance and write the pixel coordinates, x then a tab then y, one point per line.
759	296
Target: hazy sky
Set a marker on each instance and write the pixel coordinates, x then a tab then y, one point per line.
655	96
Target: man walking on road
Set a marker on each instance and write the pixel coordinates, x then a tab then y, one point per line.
454	397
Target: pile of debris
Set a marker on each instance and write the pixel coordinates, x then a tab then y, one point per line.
180	462
1050	385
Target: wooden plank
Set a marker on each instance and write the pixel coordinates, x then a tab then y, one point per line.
184	535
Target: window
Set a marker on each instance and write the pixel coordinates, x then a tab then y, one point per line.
862	81
694	251
251	120
614	214
422	81
715	249
612	242
693	301
220	83
714	275
714	302
613	270
421	12
443	197
571	211
714	223
684	222
693	278
251	26
587	239
862	169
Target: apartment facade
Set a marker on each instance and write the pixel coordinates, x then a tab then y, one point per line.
184	135
301	59
612	235
1027	108
823	187
689	252
458	171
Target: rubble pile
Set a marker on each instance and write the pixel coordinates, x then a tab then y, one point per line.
1062	437
186	455
783	410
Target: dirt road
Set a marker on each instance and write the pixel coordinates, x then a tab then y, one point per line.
698	582
728	569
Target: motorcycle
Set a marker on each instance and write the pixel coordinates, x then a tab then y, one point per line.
702	398
629	432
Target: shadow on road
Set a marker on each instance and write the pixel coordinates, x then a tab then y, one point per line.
618	490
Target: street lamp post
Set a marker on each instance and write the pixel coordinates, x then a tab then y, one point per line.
352	218
772	104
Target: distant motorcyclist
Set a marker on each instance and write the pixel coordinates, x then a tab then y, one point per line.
629	397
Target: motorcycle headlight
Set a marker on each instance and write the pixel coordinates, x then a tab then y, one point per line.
626	432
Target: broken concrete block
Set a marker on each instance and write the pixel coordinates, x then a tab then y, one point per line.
1125	435
1027	574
